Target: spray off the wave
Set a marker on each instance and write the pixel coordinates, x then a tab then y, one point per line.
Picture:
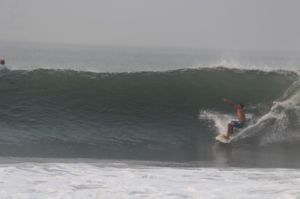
279	124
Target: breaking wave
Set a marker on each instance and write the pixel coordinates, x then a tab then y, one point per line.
65	113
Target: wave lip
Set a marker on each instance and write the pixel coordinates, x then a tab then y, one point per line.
267	67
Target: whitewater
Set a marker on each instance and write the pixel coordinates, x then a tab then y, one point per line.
128	122
129	180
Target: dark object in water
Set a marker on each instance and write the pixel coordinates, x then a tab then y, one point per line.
2	61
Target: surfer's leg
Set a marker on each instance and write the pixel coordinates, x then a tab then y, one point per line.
229	130
232	125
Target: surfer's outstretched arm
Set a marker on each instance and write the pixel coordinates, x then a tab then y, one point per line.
229	102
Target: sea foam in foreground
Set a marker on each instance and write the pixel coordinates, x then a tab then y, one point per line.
122	180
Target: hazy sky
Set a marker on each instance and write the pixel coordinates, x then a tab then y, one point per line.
233	24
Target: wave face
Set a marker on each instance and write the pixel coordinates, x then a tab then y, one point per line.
141	115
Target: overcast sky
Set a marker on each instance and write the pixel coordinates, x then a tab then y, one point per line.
232	24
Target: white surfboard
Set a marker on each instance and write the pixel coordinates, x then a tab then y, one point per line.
221	138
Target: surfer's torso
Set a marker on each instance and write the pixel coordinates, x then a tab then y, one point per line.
240	114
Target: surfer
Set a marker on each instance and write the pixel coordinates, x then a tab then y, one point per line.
240	114
2	61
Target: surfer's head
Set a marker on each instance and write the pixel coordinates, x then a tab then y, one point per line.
2	61
241	105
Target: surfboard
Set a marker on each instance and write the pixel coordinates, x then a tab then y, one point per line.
221	138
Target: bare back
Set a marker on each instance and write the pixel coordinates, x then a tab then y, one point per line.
240	113
239	108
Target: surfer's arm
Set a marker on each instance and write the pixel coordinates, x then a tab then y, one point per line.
230	102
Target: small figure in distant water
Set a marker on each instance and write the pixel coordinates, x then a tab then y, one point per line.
2	61
2	65
240	114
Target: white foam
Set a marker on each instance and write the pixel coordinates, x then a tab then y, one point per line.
218	120
87	180
278	120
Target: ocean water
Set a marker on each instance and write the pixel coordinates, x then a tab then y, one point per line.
131	122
